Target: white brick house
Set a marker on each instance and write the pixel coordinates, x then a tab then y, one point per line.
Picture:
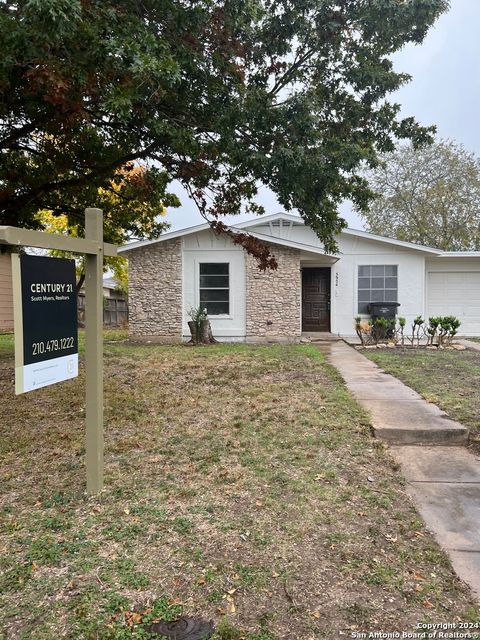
310	291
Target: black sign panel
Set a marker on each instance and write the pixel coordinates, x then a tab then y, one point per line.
49	308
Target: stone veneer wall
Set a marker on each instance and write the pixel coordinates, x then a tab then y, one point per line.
155	291
274	297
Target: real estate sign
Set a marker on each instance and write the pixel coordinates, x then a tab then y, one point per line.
45	319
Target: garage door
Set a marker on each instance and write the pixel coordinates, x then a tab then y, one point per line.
455	294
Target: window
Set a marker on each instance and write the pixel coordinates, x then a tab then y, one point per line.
376	283
215	288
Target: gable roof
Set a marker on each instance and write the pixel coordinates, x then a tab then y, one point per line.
205	227
170	235
291	243
295	220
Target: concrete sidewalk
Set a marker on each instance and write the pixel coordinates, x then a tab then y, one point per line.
399	414
470	344
443	481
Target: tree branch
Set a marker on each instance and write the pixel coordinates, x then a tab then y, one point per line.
43	189
21	132
282	81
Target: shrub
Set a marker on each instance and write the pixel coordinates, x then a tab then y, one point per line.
401	326
383	328
363	329
443	329
439	331
416	330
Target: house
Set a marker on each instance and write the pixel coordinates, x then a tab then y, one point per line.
311	291
115	309
111	288
6	293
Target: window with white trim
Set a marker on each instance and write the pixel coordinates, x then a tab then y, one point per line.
215	288
377	283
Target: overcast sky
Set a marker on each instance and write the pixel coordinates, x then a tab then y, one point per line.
445	91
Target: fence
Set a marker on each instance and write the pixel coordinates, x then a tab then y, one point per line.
115	311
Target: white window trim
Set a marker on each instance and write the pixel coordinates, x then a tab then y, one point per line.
220	316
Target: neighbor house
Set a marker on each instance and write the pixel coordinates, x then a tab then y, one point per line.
6	293
311	291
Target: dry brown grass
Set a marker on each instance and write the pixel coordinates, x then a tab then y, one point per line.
240	481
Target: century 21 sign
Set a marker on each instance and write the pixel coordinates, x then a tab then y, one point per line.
45	317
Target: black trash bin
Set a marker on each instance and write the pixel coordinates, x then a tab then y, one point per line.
387	310
383	310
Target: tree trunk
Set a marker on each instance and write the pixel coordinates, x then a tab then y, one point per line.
80	282
201	332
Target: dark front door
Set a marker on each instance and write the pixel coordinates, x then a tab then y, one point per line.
315	299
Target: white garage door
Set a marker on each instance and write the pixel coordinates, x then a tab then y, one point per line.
455	294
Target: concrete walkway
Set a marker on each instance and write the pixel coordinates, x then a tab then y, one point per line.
399	414
470	344
444	481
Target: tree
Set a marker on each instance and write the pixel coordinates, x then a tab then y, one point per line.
60	224
430	196
124	218
219	94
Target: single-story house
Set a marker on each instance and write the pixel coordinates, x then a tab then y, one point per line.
311	291
111	288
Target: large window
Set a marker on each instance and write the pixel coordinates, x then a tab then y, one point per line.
215	288
377	283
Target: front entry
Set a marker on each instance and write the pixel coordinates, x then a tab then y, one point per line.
316	299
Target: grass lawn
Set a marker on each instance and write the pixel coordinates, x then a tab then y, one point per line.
450	379
242	484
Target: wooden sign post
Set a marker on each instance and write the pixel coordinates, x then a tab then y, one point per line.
94	352
94	249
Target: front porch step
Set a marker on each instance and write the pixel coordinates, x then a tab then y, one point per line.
320	336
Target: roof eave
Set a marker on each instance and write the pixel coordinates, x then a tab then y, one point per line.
171	235
249	224
459	254
294	245
398	243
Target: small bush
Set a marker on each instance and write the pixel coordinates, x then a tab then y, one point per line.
439	331
442	329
